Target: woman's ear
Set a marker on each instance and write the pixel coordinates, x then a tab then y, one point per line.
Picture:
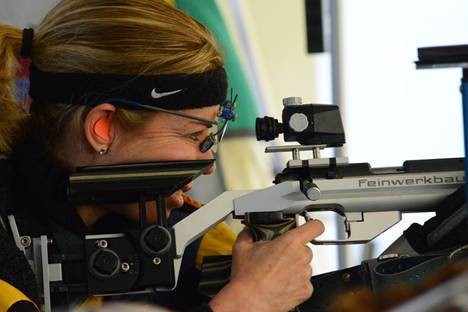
99	127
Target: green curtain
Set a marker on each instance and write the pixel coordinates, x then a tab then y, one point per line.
209	14
243	163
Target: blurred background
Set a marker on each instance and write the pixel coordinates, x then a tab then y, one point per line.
356	54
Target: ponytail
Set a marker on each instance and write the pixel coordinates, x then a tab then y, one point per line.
12	116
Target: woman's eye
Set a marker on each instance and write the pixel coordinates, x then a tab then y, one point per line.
194	136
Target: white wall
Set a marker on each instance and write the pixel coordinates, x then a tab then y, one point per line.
276	29
24	13
392	111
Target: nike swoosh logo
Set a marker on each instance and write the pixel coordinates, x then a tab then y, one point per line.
158	95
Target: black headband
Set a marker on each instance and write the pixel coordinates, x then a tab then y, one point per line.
26	45
164	91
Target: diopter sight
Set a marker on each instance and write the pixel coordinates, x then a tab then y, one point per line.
308	124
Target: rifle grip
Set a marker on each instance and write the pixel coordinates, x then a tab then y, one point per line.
261	232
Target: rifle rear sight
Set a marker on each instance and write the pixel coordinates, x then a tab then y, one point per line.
314	126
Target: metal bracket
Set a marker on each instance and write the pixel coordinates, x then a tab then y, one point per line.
362	227
45	272
15	233
200	221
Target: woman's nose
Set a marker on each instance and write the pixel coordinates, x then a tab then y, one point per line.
211	169
208	155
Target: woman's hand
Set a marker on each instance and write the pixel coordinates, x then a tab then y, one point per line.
269	275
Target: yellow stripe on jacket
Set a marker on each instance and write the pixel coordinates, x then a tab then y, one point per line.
9	295
218	241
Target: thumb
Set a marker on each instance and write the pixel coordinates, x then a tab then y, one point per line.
244	239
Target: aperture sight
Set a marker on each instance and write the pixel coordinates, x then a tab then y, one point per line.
308	124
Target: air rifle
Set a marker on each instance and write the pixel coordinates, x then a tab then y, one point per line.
371	200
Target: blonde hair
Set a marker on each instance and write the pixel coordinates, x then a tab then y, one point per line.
109	36
12	116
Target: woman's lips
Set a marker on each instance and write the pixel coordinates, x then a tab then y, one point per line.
176	200
187	187
179	192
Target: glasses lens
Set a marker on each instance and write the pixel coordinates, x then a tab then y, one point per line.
213	139
208	143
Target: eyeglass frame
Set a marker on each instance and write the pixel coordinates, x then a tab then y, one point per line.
206	144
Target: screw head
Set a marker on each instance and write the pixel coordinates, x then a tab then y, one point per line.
101	243
125	267
25	241
346	277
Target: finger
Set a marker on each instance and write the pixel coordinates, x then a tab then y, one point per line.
307	232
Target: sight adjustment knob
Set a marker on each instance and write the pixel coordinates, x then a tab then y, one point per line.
298	122
104	263
155	239
310	190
